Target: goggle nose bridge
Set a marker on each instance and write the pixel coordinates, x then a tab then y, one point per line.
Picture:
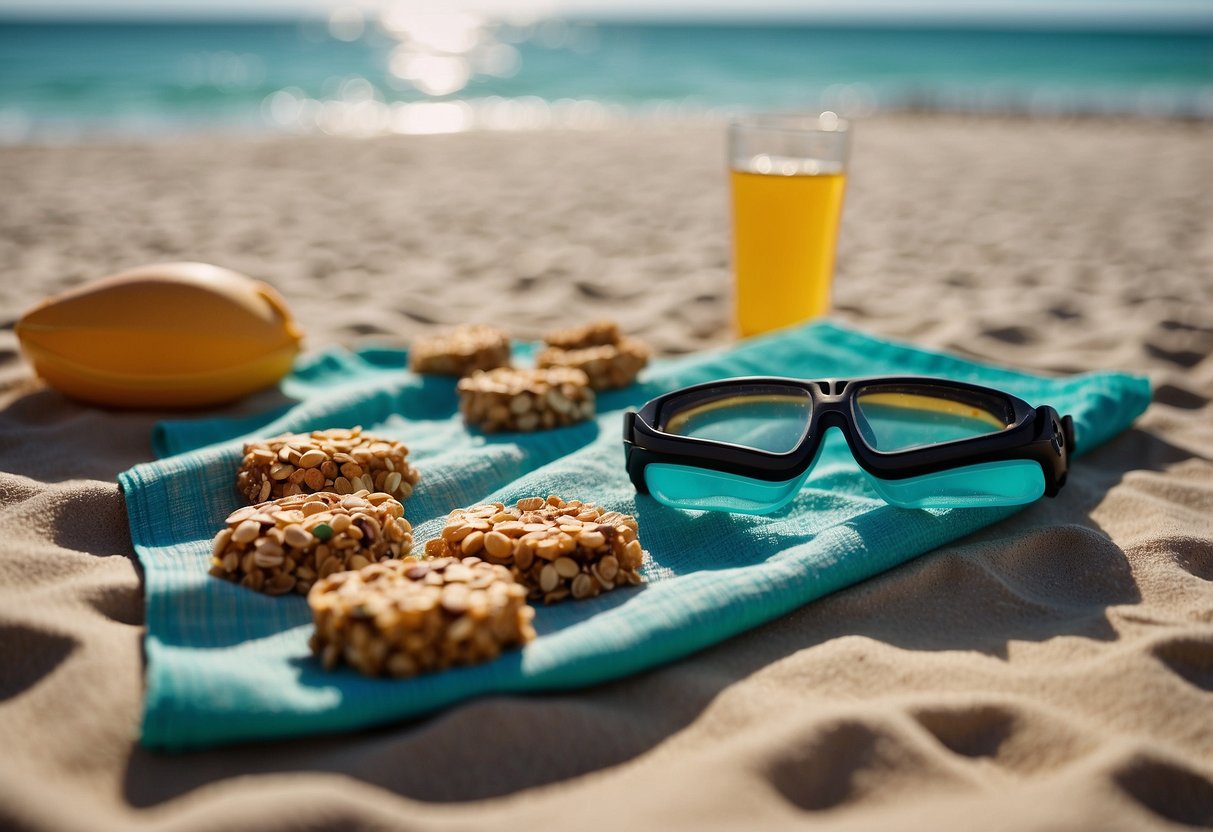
831	412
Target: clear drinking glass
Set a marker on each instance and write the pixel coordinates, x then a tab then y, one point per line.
787	175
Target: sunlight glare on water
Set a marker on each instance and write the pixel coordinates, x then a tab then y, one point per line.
365	67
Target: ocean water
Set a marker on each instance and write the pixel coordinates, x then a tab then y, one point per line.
442	72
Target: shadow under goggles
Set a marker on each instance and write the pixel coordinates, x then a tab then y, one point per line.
747	445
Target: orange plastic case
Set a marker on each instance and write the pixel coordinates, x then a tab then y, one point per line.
164	335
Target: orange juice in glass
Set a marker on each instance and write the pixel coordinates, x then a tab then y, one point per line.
787	175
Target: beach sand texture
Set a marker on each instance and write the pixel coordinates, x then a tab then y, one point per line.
1053	671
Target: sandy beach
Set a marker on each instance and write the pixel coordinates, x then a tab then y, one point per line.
1053	671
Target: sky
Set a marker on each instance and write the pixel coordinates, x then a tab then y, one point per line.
1082	12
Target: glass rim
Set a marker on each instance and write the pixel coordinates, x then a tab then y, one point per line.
791	122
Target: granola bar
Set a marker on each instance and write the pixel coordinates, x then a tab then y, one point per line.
285	545
461	351
509	399
338	460
555	548
401	618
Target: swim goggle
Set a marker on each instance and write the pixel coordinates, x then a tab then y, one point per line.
747	445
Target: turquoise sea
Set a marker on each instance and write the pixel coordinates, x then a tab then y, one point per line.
443	72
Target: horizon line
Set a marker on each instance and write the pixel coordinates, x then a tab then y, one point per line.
1169	22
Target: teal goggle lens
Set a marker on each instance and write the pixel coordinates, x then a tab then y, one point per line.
900	421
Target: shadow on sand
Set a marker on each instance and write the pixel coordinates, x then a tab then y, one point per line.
48	437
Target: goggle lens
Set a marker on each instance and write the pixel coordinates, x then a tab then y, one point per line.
901	420
763	420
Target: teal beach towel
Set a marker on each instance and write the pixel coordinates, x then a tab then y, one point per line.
225	664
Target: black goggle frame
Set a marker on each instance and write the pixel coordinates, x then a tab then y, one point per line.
1032	433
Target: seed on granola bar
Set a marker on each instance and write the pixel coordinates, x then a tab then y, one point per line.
410	616
338	460
285	545
508	399
554	547
460	351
